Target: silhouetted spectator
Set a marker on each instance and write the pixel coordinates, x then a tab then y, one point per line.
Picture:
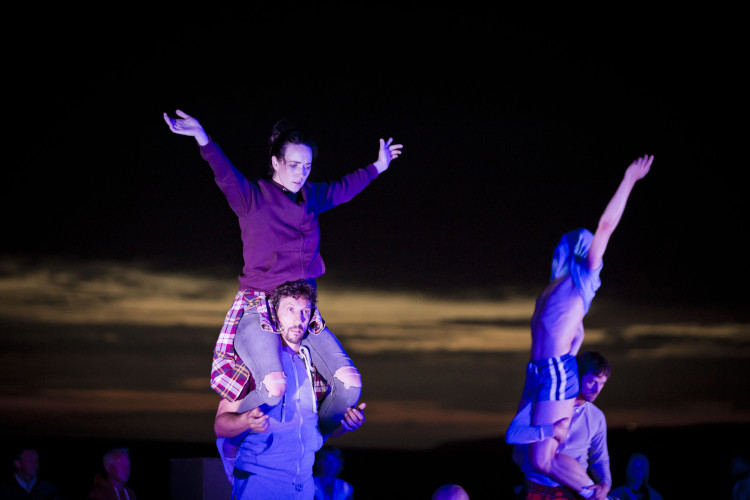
636	481
25	483
450	492
328	466
115	485
740	469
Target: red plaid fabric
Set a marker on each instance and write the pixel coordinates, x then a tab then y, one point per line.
320	385
229	375
541	492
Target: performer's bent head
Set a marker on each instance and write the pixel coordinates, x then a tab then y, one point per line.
573	246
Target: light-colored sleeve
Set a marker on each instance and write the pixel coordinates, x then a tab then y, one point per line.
520	430
599	453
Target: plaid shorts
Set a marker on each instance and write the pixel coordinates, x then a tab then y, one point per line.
541	492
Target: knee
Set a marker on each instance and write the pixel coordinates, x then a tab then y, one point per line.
275	385
541	464
349	376
540	461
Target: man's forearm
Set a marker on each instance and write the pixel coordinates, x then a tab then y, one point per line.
526	434
229	425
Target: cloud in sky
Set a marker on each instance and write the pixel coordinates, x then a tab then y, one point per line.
370	321
126	349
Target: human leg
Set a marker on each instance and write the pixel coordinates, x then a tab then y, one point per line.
332	362
260	350
556	388
542	453
229	375
566	470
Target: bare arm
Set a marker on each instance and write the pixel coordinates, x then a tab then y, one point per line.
187	126
229	423
615	208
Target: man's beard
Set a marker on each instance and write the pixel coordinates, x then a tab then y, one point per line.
292	335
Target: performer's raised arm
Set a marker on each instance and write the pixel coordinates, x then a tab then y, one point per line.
615	208
187	125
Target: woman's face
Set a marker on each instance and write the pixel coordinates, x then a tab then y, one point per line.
292	170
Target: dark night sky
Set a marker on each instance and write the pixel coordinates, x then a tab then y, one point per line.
514	133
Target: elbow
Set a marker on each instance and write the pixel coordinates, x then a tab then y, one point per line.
541	456
543	466
606	225
217	431
510	438
220	429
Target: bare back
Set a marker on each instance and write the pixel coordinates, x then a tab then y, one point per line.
557	319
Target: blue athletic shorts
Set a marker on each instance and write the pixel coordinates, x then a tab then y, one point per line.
553	379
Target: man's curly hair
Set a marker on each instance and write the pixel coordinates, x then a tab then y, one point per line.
295	289
593	362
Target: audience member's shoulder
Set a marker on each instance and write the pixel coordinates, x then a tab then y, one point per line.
97	492
46	489
43	490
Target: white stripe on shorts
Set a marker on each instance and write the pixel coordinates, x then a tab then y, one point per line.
558	377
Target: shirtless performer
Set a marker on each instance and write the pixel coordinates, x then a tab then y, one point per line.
557	323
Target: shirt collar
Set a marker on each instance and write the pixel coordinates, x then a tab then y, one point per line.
300	195
26	485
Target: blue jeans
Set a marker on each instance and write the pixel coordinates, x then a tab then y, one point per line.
261	352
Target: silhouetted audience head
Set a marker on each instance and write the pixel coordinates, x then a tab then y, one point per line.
25	482
636	481
637	471
450	492
329	462
739	467
117	465
27	463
